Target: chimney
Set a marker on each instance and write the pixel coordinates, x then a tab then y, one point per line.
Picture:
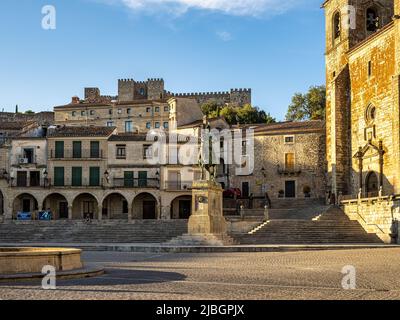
75	100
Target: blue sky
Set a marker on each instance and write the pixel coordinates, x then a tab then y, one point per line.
275	47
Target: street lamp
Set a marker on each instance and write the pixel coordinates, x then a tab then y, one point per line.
107	176
45	178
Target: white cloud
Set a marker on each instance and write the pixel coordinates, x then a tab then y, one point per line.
224	36
231	7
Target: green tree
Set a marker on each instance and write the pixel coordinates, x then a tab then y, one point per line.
309	106
246	114
29	112
211	109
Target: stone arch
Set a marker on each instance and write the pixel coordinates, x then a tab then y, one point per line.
181	207
372	20
85	205
25	202
58	204
145	206
115	205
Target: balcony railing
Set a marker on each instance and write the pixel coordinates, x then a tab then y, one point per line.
134	183
289	170
83	154
24	160
178	185
14	183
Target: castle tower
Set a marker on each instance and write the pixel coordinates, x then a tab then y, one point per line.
348	22
126	89
155	89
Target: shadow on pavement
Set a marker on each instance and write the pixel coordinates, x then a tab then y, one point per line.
112	277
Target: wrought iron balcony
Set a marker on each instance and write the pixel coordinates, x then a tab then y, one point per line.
84	154
178	185
133	183
289	170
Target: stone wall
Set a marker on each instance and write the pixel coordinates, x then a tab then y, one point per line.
376	215
269	153
372	66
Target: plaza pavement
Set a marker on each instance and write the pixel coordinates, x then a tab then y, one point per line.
265	275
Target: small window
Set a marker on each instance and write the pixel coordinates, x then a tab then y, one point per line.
110	112
129	111
369	68
142	92
148	109
148	125
157	109
166	109
83	113
336	26
289	139
166	125
119	111
74	113
110	124
157	125
92	112
121	151
370	114
147	151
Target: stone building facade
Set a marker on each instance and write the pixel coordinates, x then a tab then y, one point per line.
362	119
145	102
289	162
362	96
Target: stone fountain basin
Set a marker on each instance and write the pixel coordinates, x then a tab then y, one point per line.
32	260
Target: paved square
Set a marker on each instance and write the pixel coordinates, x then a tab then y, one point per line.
287	275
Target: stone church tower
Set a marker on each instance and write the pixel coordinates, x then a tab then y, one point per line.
362	49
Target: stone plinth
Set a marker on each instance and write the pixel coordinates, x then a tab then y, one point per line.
207	213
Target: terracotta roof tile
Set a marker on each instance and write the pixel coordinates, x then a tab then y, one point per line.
71	131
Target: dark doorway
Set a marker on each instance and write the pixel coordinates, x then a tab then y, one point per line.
88	209
372	184
26	205
22	179
63	210
185	209
149	210
35	179
245	189
290	189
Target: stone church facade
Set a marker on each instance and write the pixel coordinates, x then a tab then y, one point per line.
363	111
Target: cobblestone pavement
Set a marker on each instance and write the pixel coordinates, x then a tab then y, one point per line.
290	275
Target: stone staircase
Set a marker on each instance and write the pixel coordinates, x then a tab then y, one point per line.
330	227
111	231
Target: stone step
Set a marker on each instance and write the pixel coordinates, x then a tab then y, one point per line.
332	226
115	231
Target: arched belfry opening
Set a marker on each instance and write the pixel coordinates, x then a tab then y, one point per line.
336	25
372	20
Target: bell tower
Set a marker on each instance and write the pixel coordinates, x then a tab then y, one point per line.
348	22
340	37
